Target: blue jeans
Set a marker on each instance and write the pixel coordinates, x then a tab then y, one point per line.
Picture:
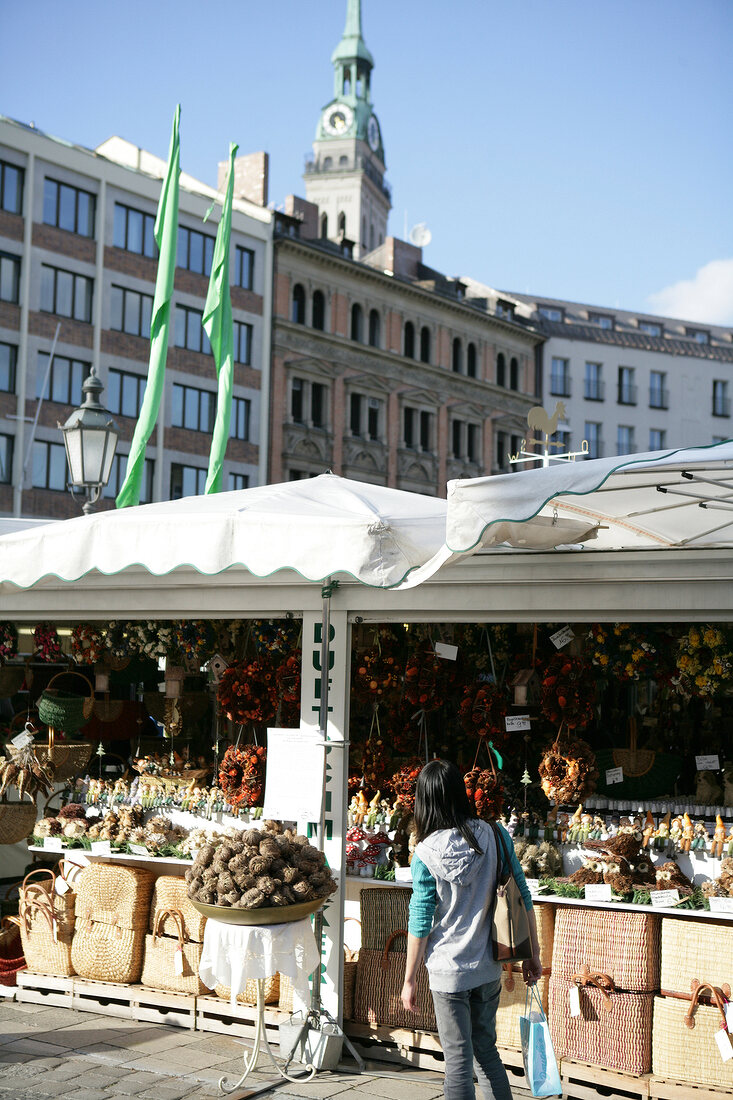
467	1031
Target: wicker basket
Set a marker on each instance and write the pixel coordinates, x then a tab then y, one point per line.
681	1053
382	910
512	1002
249	995
39	898
623	945
691	950
17	820
108	952
379	979
12	959
170	893
46	946
159	970
613	1030
69	757
109	893
62	710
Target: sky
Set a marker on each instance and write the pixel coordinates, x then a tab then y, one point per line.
574	149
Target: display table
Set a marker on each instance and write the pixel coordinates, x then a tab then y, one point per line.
234	954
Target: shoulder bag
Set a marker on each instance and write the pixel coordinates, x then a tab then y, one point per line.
510	936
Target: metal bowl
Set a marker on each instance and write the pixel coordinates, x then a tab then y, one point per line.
267	914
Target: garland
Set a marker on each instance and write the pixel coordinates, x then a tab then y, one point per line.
568	692
118	639
704	662
8	641
426	679
278	637
247	692
242	775
153	639
46	643
482	710
377	675
87	644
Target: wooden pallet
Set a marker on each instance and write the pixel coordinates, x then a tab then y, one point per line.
660	1088
585	1081
396	1045
160	1006
44	989
224	1018
7	992
104	998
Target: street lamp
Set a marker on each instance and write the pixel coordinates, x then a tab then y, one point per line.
90	438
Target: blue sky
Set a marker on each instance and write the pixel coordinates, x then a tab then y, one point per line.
569	148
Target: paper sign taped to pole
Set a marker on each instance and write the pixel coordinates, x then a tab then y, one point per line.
294	783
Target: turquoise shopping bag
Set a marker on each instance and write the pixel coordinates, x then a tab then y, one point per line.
540	1064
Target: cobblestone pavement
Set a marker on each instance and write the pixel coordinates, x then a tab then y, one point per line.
47	1053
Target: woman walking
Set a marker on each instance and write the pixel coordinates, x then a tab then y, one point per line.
454	878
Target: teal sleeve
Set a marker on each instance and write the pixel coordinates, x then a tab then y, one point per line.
516	869
423	900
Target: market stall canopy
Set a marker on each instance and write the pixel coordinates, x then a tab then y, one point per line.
657	499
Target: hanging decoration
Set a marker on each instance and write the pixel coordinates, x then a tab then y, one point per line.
404	783
482	711
8	641
46	643
196	640
426	679
624	651
568	769
242	775
484	792
275	637
568	692
153	639
118	640
376	674
87	644
287	683
247	692
704	662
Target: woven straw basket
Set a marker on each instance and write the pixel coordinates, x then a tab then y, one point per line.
109	893
160	951
108	953
511	1006
17	820
382	910
12	959
688	952
42	890
249	995
619	1039
623	945
379	979
545	917
688	1054
46	943
69	758
170	893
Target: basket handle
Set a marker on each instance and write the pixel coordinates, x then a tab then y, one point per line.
177	916
715	992
88	702
385	954
68	871
39	906
39	871
603	982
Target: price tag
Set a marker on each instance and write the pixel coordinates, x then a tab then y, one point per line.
597	891
729	1016
53	844
402	874
721	905
447	652
614	775
514	722
562	637
21	740
178	962
61	886
139	850
101	848
707	763
533	884
662	899
722	1038
77	858
108	768
574	999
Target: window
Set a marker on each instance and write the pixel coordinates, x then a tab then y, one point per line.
319	310
593	382
318	405
11	189
551	313
457	356
327	164
650	328
657	439
297	305
125	392
131	311
560	377
721	401
239	424
471	360
514	374
190	333
426	433
187	481
65	381
308	402
195	251
626	389
374	327
602	320
242	342
373	417
425	344
66	294
500	369
501	451
238	481
244	267
625	440
473	437
355	406
456	432
356	322
342	217
117	478
49	466
193	408
8	363
699	335
658	393
68	208
134	230
562	441
505	309
408	340
9	277
592	435
408	426
6	459
296	400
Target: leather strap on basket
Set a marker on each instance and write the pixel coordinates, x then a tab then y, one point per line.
68	871
30	908
717	995
603	982
48	890
177	917
385	954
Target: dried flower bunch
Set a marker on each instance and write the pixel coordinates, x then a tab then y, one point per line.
242	775
568	692
263	867
247	692
704	662
87	644
8	641
404	782
568	770
482	710
46	643
484	793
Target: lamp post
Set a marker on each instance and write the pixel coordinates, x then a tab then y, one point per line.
90	437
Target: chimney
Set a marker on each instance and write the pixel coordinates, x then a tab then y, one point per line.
251	177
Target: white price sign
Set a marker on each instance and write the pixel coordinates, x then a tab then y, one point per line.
402	874
722	1038
53	844
614	775
21	740
561	637
514	722
178	961
597	891
721	905
663	899
101	848
61	886
139	850
574	999
707	763
533	885
294	782
446	651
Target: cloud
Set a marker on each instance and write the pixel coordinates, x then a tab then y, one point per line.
707	297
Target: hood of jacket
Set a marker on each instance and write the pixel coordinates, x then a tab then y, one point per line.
448	856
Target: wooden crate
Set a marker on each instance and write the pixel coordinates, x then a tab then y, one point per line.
224	1018
44	989
662	1089
105	998
160	1006
377	1043
585	1081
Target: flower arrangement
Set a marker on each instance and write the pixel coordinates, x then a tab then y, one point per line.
247	692
484	792
118	639
46	643
287	684
278	637
704	661
196	639
87	644
482	710
377	675
153	639
404	782
568	692
242	775
623	652
426	679
8	641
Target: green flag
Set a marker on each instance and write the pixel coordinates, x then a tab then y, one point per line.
217	322
166	236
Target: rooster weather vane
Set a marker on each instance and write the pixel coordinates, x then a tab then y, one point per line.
539	420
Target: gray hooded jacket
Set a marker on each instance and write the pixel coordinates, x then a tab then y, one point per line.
458	954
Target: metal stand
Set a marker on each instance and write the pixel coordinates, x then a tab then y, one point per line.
261	1041
314	1017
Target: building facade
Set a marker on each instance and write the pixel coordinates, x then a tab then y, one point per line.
77	255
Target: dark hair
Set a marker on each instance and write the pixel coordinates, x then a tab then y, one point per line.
441	802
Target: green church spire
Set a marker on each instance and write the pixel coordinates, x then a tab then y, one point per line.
352	46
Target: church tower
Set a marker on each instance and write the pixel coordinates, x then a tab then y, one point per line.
345	179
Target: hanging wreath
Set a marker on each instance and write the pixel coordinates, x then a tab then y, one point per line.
624	652
46	643
242	775
279	637
87	644
8	641
426	679
377	676
287	684
153	639
568	692
404	782
704	661
484	792
118	640
568	770
247	692
196	639
482	711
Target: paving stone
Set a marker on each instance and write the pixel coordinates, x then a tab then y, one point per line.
32	1046
134	1083
90	1094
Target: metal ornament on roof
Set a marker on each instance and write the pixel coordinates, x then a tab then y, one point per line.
539	418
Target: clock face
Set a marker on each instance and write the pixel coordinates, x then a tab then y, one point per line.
338	119
373	134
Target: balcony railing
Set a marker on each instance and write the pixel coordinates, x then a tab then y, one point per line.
559	385
658	398
627	394
721	406
594	390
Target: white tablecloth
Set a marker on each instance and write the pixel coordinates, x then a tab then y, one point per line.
234	953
